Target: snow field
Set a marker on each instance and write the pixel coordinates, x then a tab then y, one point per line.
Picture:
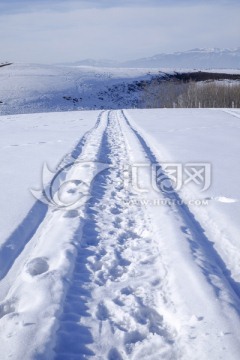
114	279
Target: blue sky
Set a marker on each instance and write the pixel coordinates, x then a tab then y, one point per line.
49	31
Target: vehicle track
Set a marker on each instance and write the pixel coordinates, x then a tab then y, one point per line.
110	302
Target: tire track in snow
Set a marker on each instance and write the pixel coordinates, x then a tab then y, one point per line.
36	282
111	310
212	265
15	244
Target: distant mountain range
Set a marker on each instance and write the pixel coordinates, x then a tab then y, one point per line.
192	59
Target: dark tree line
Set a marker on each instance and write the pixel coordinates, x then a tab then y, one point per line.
180	94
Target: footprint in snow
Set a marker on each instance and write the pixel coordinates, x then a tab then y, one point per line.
71	214
37	266
114	355
115	211
7	307
131	338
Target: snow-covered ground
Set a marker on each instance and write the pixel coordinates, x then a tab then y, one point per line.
135	272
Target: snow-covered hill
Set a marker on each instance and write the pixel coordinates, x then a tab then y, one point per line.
28	88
